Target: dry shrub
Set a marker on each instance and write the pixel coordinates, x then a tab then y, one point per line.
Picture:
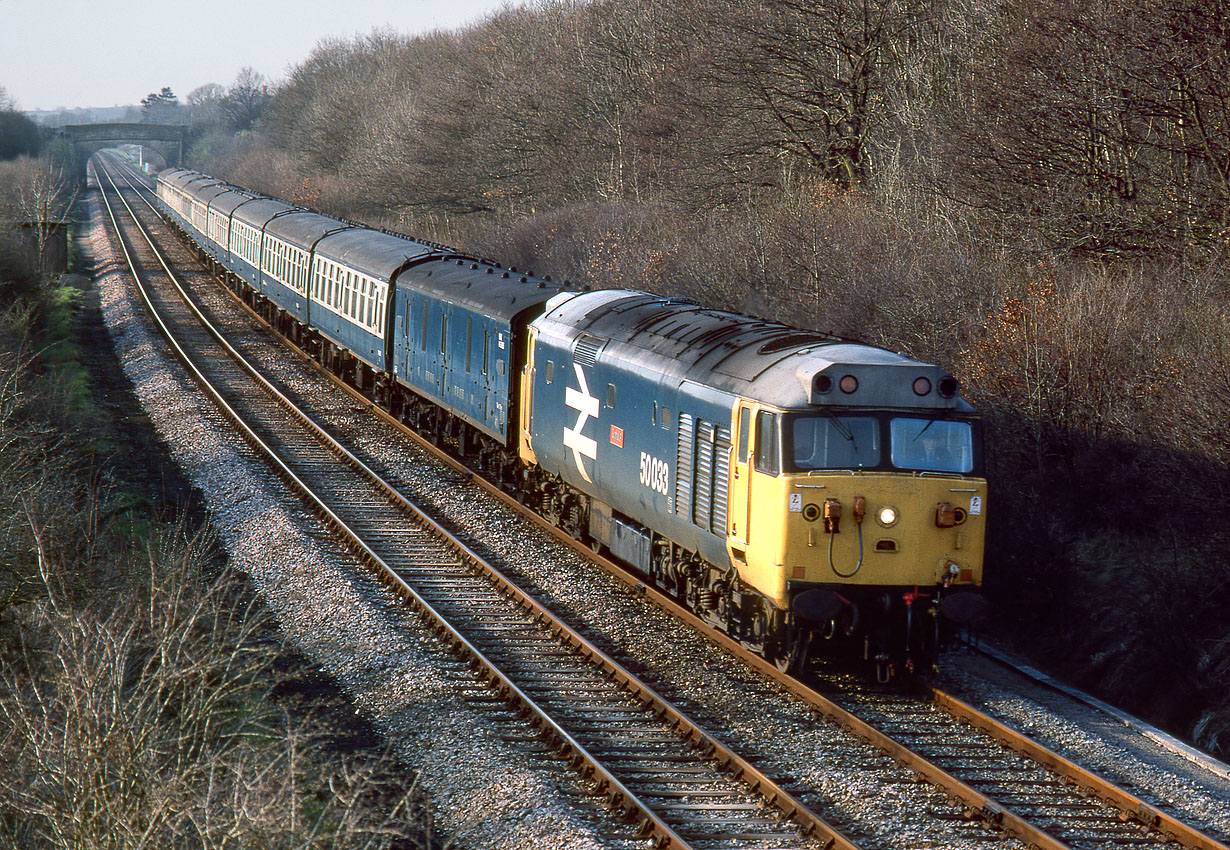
135	680
598	244
1107	463
146	722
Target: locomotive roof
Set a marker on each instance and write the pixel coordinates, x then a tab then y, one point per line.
480	286
751	358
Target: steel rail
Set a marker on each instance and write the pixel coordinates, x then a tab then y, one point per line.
1127	803
618	794
977	803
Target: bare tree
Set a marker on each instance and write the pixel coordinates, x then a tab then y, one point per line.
807	81
246	100
1104	126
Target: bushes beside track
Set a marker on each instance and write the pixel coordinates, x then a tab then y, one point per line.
143	689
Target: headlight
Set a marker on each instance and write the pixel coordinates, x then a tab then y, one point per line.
886	516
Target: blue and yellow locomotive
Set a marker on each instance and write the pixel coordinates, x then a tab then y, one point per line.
792	487
786	484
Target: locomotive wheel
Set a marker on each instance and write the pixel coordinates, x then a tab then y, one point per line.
783	658
781	652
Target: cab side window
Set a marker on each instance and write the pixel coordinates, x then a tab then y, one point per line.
766	443
745	432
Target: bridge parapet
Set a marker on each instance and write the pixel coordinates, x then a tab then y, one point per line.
85	139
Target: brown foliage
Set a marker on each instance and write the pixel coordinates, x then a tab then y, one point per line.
1103	126
145	722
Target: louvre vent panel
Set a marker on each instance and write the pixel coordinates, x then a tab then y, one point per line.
721	481
683	466
702	509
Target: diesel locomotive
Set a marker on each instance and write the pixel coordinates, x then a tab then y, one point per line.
794	489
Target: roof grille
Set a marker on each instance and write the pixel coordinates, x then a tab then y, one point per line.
587	348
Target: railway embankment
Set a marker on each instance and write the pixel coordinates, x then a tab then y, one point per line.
144	687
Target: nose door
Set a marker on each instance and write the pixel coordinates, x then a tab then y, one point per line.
741	476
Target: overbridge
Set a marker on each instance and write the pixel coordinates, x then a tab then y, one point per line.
166	140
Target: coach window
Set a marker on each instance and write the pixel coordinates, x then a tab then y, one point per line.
443	333
766	442
610	396
550	371
666	418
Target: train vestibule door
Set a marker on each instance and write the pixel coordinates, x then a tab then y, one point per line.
741	476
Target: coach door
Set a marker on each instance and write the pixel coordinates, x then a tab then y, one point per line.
741	476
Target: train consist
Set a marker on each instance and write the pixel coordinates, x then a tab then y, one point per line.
793	488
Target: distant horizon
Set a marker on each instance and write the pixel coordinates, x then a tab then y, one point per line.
47	49
78	109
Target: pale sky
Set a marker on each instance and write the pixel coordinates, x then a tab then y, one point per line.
96	53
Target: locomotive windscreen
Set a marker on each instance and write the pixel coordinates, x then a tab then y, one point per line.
819	441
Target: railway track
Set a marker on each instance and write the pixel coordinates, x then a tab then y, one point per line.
639	751
1006	781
